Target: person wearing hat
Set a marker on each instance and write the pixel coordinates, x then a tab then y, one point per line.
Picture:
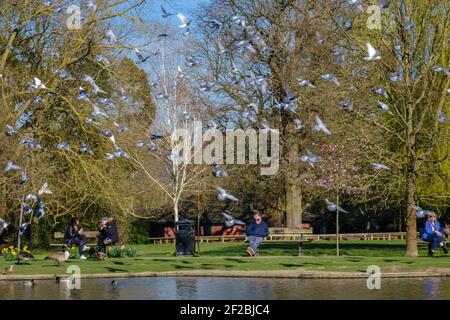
105	234
433	234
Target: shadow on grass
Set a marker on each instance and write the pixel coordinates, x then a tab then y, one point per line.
115	269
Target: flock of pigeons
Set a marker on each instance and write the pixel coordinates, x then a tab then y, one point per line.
96	97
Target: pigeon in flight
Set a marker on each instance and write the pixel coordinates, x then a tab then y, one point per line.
310	158
443	117
334	207
441	69
320	126
95	87
165	13
111	36
63	146
10	131
380	166
330	77
185	22
22	228
86	149
372	54
218	171
10	166
230	221
305	83
141	58
3	224
380	91
38	84
44	190
298	124
420	213
222	195
347	105
384	107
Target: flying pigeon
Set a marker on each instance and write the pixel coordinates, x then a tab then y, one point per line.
384	107
111	36
3	224
230	221
219	171
347	105
22	228
82	94
141	58
97	112
38	84
330	77
174	157
380	91
320	126
311	158
305	83
95	87
222	195
298	124
372	53
10	131
44	190
420	213
380	166
63	146
441	69
334	207
23	177
23	119
86	149
443	117
395	77
185	22
165	13
10	166
100	58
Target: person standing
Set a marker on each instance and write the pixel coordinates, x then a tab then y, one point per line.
433	234
256	233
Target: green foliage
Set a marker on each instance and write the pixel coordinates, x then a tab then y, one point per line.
121	252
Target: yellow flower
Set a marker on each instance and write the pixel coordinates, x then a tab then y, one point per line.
13	253
11	247
122	247
25	248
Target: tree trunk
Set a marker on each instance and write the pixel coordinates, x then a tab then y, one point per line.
292	206
175	210
411	224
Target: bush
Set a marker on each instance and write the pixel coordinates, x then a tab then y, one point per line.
120	252
9	253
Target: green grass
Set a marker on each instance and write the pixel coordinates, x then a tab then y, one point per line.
319	256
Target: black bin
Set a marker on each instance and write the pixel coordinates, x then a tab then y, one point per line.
184	237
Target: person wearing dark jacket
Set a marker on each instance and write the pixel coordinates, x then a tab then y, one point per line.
107	234
434	234
256	232
74	236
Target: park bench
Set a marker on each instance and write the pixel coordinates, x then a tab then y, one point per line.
201	239
91	236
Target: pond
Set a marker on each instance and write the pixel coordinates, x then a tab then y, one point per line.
215	288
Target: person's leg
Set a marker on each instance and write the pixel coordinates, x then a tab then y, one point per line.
101	243
258	241
251	245
254	243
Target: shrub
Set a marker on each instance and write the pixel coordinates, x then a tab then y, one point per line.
120	252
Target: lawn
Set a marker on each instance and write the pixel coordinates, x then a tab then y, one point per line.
318	256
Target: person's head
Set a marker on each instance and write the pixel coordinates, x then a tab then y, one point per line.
104	221
74	221
257	217
431	216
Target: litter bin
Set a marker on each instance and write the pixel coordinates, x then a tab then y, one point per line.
184	237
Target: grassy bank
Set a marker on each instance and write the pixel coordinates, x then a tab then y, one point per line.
318	256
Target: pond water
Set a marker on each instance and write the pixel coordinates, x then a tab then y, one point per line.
215	288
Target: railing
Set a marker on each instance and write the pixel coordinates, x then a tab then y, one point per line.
294	237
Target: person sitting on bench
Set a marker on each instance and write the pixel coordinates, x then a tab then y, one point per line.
107	234
74	236
256	233
433	234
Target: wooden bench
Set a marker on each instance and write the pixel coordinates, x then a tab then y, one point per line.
90	235
201	239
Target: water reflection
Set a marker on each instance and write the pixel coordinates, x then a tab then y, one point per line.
167	288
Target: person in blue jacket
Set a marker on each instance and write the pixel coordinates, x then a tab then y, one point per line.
256	232
434	234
